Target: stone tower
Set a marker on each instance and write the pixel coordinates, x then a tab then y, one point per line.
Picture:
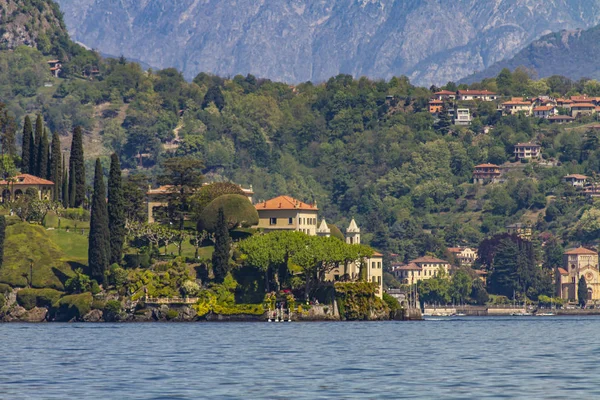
323	229
353	233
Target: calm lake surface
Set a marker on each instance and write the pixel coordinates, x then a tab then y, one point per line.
512	357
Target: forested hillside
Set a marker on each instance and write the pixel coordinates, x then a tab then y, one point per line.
359	148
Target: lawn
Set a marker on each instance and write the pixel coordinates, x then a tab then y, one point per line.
73	244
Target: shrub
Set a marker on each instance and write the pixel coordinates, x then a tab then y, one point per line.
4	288
73	306
98	304
189	289
30	298
137	260
78	283
392	303
172	314
112	310
238	210
208	193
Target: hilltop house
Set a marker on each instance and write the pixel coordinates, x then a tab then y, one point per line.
560	119
483	95
435	106
445	95
18	185
527	150
544	111
576	180
465	255
517	105
462	117
582	109
420	269
486	173
576	263
287	213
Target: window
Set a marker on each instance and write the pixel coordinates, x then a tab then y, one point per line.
273	221
373	265
378	279
290	221
379	265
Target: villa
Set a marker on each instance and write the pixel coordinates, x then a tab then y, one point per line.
576	263
527	150
582	109
420	269
465	255
287	213
486	173
576	180
517	105
483	95
18	185
544	111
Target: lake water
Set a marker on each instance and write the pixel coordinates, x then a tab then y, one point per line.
518	357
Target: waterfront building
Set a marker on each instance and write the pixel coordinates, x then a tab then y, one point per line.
420	269
577	263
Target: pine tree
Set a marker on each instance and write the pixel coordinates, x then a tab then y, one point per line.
582	291
2	237
99	240
26	152
42	157
116	213
220	258
35	148
444	121
65	185
76	170
8	127
55	174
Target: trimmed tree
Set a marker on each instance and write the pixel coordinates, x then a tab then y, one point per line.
99	240
39	132
42	156
220	258
116	213
208	193
27	142
76	170
582	291
56	166
237	212
65	185
2	237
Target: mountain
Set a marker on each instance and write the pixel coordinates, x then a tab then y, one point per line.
297	40
573	54
35	23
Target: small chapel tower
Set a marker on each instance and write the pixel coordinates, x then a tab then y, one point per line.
353	233
323	230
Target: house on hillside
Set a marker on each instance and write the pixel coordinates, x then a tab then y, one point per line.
55	67
576	180
445	95
564	103
420	269
582	109
462	116
560	119
576	263
524	231
517	105
544	111
465	255
585	99
287	213
527	150
483	95
486	173
435	106
17	186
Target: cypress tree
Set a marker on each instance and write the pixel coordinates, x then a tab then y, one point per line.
116	213
34	166
55	173
582	291
220	258
76	170
65	185
42	157
2	236
99	240
26	152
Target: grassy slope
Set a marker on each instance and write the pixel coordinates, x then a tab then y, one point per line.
27	243
73	244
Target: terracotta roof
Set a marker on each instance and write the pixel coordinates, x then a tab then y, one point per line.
580	250
543	108
527	145
54	69
455	249
516	103
409	267
576	176
586	105
377	254
26	179
564	101
476	92
285	203
436	102
486	166
160	190
428	259
442	92
562	271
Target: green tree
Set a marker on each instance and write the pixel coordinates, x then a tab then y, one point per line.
99	238
221	254
582	290
2	238
116	212
76	170
65	185
504	82
478	292
444	121
238	211
8	129
208	193
214	95
56	167
42	156
134	198
35	149
27	143
460	287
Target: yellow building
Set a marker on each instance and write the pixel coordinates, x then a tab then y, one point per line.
421	269
287	213
577	263
18	185
465	255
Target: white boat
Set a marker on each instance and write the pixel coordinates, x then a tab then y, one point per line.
520	314
545	314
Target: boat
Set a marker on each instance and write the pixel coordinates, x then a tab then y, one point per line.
545	314
520	314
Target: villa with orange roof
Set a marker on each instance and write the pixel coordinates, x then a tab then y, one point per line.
445	95
576	180
577	263
517	105
435	106
420	269
544	111
582	109
486	173
483	95
287	213
16	187
465	255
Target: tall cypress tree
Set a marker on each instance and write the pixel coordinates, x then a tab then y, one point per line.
55	174
42	157
65	185
582	291
76	170
116	212
26	152
220	258
99	240
34	166
2	237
